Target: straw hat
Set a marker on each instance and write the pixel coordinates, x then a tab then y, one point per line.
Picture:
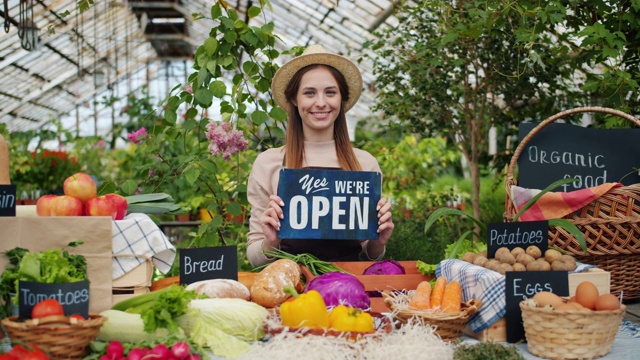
315	54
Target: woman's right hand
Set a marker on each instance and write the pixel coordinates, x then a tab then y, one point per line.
270	222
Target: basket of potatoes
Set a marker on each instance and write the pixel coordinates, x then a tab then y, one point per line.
530	258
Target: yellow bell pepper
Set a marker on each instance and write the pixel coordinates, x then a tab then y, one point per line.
304	310
344	318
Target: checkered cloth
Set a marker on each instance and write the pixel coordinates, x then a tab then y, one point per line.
138	235
484	284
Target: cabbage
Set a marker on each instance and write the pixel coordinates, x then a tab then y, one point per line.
225	325
339	288
385	267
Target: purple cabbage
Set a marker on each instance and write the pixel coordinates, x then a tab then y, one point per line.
339	288
385	267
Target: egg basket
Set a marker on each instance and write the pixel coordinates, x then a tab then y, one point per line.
448	326
61	337
570	334
610	223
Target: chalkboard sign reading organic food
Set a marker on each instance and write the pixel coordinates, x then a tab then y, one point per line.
74	297
592	156
220	262
521	285
517	234
329	204
7	200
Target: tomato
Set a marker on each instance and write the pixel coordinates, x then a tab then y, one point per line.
47	307
78	316
28	352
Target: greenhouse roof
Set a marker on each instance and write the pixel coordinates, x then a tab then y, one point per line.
120	45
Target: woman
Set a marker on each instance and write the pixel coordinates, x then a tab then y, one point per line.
316	89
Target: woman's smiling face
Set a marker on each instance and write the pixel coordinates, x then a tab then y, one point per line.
318	101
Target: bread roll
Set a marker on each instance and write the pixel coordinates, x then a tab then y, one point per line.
220	288
268	287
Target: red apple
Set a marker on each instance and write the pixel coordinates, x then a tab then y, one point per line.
101	206
65	205
80	185
121	205
44	205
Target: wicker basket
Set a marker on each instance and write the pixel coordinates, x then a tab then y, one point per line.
61	337
570	334
610	224
447	325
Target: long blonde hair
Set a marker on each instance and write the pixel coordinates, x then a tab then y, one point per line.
294	148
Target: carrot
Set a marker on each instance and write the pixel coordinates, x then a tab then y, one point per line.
452	297
421	297
438	292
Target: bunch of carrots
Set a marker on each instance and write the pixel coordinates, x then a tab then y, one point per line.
445	296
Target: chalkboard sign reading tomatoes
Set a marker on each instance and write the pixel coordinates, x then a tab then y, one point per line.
329	204
521	285
74	297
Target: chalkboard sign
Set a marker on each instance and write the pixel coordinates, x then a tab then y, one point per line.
74	297
329	204
592	156
7	200
517	234
206	263
520	285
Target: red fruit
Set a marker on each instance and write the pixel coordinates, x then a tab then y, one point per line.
80	185
48	307
121	205
65	205
44	205
101	206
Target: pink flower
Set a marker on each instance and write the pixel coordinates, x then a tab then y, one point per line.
137	136
224	140
100	144
188	89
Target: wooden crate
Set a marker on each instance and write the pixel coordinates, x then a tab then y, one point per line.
134	282
497	332
127	293
408	281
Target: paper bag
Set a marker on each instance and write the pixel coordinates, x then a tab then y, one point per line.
42	233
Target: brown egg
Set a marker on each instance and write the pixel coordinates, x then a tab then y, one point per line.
545	298
571	306
587	294
607	302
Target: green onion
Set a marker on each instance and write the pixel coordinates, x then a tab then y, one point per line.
315	265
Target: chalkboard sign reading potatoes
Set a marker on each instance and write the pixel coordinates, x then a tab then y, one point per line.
517	234
329	204
521	285
592	156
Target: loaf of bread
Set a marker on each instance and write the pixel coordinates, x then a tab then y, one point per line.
220	288
268	287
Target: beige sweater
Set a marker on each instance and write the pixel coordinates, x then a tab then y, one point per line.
263	181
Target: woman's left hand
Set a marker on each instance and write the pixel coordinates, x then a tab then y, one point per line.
385	222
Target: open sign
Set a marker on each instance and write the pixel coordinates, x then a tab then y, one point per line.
329	204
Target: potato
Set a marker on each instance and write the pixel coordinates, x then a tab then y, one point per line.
519	267
525	259
468	257
544	265
569	261
507	258
534	266
492	264
503	268
552	255
501	251
480	260
517	251
559	266
534	251
483	253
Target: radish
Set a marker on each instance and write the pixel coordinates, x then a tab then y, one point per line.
136	354
180	350
161	352
115	350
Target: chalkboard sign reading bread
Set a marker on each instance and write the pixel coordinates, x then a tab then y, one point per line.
204	263
329	204
592	156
